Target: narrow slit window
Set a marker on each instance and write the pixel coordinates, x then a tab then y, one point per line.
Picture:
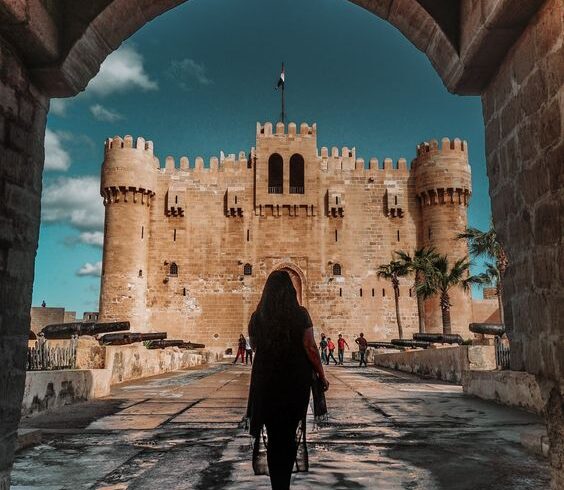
140	273
175	199
383	292
361	292
174	235
235	199
398	236
248	235
183	291
372	292
142	232
410	292
336	235
396	200
340	291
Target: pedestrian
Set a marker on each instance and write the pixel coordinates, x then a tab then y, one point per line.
241	348
323	348
286	366
248	352
362	345
341	343
331	348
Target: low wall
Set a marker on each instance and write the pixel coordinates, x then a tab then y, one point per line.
445	363
45	390
126	362
513	388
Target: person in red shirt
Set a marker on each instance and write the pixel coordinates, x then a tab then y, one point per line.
331	348
341	343
362	345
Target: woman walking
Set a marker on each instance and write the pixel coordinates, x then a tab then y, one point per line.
286	364
241	349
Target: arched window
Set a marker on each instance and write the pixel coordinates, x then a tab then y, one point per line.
336	269
297	174
275	174
173	269
248	269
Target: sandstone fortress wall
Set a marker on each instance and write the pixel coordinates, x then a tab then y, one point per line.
188	248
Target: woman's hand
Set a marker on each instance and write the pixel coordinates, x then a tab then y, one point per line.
324	382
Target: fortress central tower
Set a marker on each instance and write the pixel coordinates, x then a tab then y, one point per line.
188	247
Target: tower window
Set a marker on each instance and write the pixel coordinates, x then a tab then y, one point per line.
336	236
398	236
173	269
396	200
174	235
297	180
140	273
248	270
410	292
337	269
235	199
337	200
383	292
372	292
183	291
340	291
361	292
142	232
248	235
175	199
275	174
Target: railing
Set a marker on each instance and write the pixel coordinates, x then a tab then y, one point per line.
502	351
275	189
43	357
296	189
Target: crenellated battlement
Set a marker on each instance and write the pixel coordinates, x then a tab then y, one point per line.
447	146
346	160
223	163
268	130
117	142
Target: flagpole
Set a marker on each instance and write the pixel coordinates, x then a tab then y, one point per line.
283	101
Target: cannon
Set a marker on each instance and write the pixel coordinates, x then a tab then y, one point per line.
67	330
162	344
439	338
383	345
192	346
125	338
411	343
488	328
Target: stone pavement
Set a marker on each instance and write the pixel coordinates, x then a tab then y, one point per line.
183	431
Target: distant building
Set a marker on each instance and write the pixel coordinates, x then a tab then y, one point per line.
90	316
187	248
47	315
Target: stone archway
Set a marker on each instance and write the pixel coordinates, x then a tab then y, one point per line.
298	280
511	57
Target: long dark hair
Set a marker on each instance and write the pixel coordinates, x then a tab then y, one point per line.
278	312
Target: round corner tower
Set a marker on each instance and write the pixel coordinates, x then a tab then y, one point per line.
443	184
128	184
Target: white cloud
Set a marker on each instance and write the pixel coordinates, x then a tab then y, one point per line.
75	201
187	71
56	157
95	238
59	106
122	70
102	114
89	269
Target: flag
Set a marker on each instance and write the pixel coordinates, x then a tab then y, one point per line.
281	79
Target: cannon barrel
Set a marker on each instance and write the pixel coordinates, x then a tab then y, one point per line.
411	343
161	344
67	330
439	338
383	345
488	328
191	346
125	338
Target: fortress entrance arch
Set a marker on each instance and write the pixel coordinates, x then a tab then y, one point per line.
511	57
298	280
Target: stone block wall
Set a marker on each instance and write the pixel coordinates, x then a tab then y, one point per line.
23	111
523	111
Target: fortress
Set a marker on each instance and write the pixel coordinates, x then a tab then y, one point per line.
188	248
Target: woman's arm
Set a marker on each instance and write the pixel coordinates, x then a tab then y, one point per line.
313	356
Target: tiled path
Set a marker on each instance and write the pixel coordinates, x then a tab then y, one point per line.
184	431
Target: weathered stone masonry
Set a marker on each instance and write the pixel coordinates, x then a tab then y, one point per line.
178	239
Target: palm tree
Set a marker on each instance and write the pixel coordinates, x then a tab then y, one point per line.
420	262
393	271
485	244
440	278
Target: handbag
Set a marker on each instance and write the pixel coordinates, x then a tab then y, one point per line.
319	402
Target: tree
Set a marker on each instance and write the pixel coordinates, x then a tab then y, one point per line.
440	279
485	244
392	272
420	262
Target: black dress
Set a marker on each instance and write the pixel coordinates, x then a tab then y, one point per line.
279	392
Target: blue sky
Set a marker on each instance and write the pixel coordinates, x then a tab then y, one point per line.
198	78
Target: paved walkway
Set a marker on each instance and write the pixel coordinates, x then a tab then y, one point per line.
184	431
